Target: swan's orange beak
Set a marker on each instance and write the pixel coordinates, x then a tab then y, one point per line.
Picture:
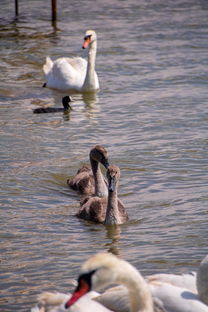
87	41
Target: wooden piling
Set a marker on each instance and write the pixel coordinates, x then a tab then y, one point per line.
54	10
16	8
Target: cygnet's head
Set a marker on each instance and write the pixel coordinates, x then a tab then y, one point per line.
100	154
113	175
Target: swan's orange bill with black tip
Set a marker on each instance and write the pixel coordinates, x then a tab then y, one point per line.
87	40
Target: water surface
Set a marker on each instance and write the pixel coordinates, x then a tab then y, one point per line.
151	115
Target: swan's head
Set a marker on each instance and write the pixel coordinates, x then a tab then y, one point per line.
99	154
89	38
99	271
113	175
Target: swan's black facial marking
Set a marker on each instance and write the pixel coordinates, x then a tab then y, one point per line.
87	277
87	41
87	37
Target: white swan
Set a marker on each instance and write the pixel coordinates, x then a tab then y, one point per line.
99	271
75	74
105	269
187	281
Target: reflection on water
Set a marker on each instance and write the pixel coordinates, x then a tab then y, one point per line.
90	99
113	232
66	115
151	115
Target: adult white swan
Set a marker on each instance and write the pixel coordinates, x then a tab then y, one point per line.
105	269
99	271
75	74
173	292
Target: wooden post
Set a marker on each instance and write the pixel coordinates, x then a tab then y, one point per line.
16	8
54	10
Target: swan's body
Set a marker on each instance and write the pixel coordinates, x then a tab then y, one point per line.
75	74
66	107
93	208
55	302
177	299
88	181
105	210
187	281
83	182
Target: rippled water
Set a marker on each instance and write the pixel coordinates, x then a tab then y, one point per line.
151	115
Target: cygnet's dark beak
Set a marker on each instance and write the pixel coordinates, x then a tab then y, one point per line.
111	185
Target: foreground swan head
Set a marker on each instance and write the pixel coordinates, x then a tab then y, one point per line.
105	269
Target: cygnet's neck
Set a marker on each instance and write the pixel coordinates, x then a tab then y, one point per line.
112	212
89	83
100	185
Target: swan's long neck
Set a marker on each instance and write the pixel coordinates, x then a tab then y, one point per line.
112	212
89	83
140	297
100	185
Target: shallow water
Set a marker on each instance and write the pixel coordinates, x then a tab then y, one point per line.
151	115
